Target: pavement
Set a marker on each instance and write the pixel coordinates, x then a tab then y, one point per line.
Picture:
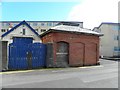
104	75
111	58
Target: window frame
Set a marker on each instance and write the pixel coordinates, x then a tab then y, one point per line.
24	31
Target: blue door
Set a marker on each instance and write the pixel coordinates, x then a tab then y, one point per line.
38	55
17	57
23	54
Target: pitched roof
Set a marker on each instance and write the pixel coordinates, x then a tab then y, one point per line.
21	23
73	29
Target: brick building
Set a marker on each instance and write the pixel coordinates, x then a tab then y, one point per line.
71	46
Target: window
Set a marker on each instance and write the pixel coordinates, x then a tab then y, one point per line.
42	24
119	27
115	28
49	24
116	37
43	30
34	24
23	25
3	30
7	24
116	48
23	31
3	24
36	30
55	24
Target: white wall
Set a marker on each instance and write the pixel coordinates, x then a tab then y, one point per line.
107	42
19	33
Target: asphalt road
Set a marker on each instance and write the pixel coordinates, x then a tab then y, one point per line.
102	76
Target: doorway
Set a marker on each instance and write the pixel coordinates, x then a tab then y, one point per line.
62	54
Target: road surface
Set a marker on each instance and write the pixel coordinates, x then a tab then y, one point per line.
101	76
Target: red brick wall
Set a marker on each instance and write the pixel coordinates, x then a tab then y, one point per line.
76	57
48	38
83	49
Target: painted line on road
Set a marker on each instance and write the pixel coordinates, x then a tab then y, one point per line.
24	71
12	72
92	66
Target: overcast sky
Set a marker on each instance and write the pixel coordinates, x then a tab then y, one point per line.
90	12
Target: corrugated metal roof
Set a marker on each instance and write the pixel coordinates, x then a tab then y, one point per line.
75	29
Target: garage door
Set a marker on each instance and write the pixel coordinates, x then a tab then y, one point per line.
90	54
77	55
62	54
23	54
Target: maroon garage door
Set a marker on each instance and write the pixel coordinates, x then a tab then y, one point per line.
90	54
77	54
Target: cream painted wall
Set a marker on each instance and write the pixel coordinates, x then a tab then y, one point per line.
107	42
18	32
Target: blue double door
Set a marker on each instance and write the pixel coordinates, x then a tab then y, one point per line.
23	54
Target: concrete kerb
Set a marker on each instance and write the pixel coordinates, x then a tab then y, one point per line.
23	71
109	58
46	69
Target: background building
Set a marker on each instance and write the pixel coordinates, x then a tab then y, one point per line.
39	26
109	42
23	29
20	48
71	46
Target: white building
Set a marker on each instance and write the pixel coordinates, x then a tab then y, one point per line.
38	26
109	42
23	29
